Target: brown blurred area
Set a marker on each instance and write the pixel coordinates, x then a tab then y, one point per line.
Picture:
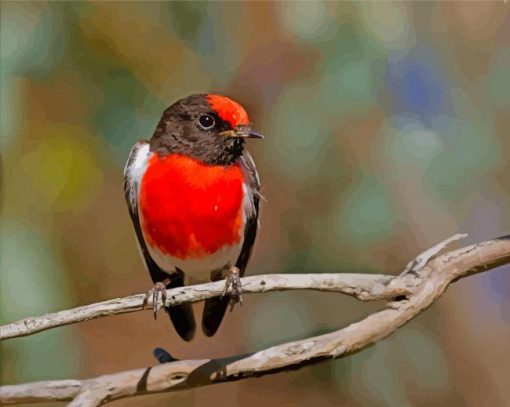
386	131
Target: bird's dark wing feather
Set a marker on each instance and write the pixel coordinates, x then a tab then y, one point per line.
181	315
214	308
252	219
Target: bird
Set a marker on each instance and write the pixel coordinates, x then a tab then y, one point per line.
193	195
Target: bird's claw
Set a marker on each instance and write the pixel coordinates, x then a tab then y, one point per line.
233	287
158	291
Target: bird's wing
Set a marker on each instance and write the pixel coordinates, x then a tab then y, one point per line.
252	197
214	308
181	315
133	174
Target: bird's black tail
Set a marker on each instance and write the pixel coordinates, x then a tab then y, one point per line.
214	310
181	315
183	320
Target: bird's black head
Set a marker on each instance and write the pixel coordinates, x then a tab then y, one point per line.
211	128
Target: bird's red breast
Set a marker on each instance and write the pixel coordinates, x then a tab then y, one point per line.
191	210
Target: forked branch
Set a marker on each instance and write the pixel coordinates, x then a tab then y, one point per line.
407	295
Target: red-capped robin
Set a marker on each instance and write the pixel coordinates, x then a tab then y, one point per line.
193	196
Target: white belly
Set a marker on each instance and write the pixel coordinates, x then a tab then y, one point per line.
197	270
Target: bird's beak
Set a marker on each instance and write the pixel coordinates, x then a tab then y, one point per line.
241	132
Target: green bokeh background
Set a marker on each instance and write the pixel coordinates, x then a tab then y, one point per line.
386	131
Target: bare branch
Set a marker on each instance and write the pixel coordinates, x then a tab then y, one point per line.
425	283
366	287
421	260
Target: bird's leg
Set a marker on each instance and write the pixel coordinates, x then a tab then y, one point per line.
233	282
157	291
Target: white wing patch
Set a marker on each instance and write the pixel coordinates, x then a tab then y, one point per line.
134	170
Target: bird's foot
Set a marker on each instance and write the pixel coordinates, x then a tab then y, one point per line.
157	292
233	287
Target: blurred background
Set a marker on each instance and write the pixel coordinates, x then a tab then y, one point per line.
386	131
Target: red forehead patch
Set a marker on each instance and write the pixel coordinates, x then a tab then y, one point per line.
228	110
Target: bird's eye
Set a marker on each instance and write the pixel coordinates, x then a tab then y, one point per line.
206	121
